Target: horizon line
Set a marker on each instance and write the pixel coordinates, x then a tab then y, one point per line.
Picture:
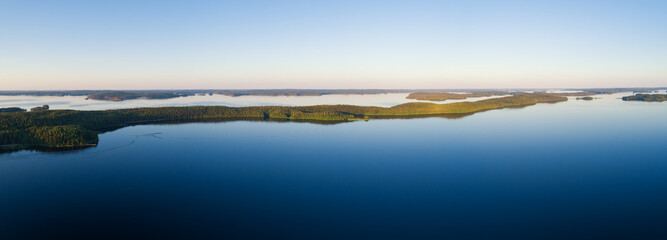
392	89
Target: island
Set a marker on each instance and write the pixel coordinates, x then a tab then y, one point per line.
11	109
443	96
121	96
159	94
418	94
580	94
40	108
647	97
53	129
584	94
305	92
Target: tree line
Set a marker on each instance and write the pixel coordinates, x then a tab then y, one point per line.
57	128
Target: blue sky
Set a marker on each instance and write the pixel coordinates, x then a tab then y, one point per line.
331	44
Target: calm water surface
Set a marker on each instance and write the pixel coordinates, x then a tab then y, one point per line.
80	102
578	169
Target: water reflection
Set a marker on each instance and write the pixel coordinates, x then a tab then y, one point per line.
577	169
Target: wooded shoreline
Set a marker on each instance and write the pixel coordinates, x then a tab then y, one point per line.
71	129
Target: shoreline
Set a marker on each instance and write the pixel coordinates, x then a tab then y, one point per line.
56	129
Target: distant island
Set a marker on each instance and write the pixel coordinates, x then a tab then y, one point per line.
129	95
419	94
11	109
647	97
443	96
63	129
121	96
40	108
437	96
304	92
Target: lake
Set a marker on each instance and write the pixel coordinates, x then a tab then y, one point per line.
571	170
80	102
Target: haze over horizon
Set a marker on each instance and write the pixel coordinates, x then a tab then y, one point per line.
73	45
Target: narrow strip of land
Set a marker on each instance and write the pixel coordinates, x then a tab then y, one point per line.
443	96
69	128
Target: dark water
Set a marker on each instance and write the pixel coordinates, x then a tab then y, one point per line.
573	170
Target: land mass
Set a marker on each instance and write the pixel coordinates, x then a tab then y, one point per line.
647	97
438	96
121	96
72	129
304	92
420	94
129	95
115	95
443	96
11	109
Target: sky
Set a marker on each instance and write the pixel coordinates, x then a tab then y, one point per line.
163	44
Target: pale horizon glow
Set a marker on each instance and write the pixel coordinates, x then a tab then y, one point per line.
72	45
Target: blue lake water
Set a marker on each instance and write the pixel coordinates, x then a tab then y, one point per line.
578	169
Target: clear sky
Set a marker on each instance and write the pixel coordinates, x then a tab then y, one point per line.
165	44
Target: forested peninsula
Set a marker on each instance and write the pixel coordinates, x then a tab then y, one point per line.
439	96
54	129
647	97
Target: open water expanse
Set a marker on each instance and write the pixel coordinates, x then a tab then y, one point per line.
80	102
571	170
